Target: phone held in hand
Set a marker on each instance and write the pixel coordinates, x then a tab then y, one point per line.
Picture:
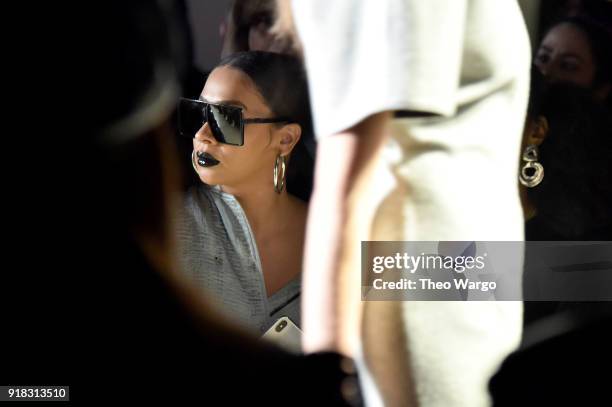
285	334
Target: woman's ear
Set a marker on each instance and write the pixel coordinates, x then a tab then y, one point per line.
289	136
538	131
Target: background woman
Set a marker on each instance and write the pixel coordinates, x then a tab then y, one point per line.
571	135
577	50
242	233
566	177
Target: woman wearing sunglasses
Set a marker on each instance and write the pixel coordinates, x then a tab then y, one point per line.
241	233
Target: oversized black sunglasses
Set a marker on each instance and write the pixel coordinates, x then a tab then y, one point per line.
226	122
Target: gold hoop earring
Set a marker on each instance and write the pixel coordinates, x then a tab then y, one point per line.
532	172
279	179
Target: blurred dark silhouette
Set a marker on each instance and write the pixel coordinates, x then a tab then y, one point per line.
563	363
91	298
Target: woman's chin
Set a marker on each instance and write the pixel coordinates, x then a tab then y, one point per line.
208	176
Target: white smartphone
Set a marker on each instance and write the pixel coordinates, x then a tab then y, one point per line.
286	334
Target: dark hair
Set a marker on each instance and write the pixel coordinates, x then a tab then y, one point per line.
281	81
575	197
600	41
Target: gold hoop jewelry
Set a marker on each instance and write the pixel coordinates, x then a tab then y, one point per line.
532	172
193	161
279	179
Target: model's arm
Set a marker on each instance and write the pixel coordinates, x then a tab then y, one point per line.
331	293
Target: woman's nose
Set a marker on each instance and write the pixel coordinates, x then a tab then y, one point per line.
543	67
549	70
205	135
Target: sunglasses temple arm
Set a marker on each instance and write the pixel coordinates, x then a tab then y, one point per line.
274	120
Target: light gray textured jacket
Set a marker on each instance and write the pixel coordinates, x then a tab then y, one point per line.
217	250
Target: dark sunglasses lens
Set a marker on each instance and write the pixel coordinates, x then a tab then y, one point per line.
226	124
191	117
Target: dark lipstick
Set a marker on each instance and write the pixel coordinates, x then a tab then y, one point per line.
207	160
